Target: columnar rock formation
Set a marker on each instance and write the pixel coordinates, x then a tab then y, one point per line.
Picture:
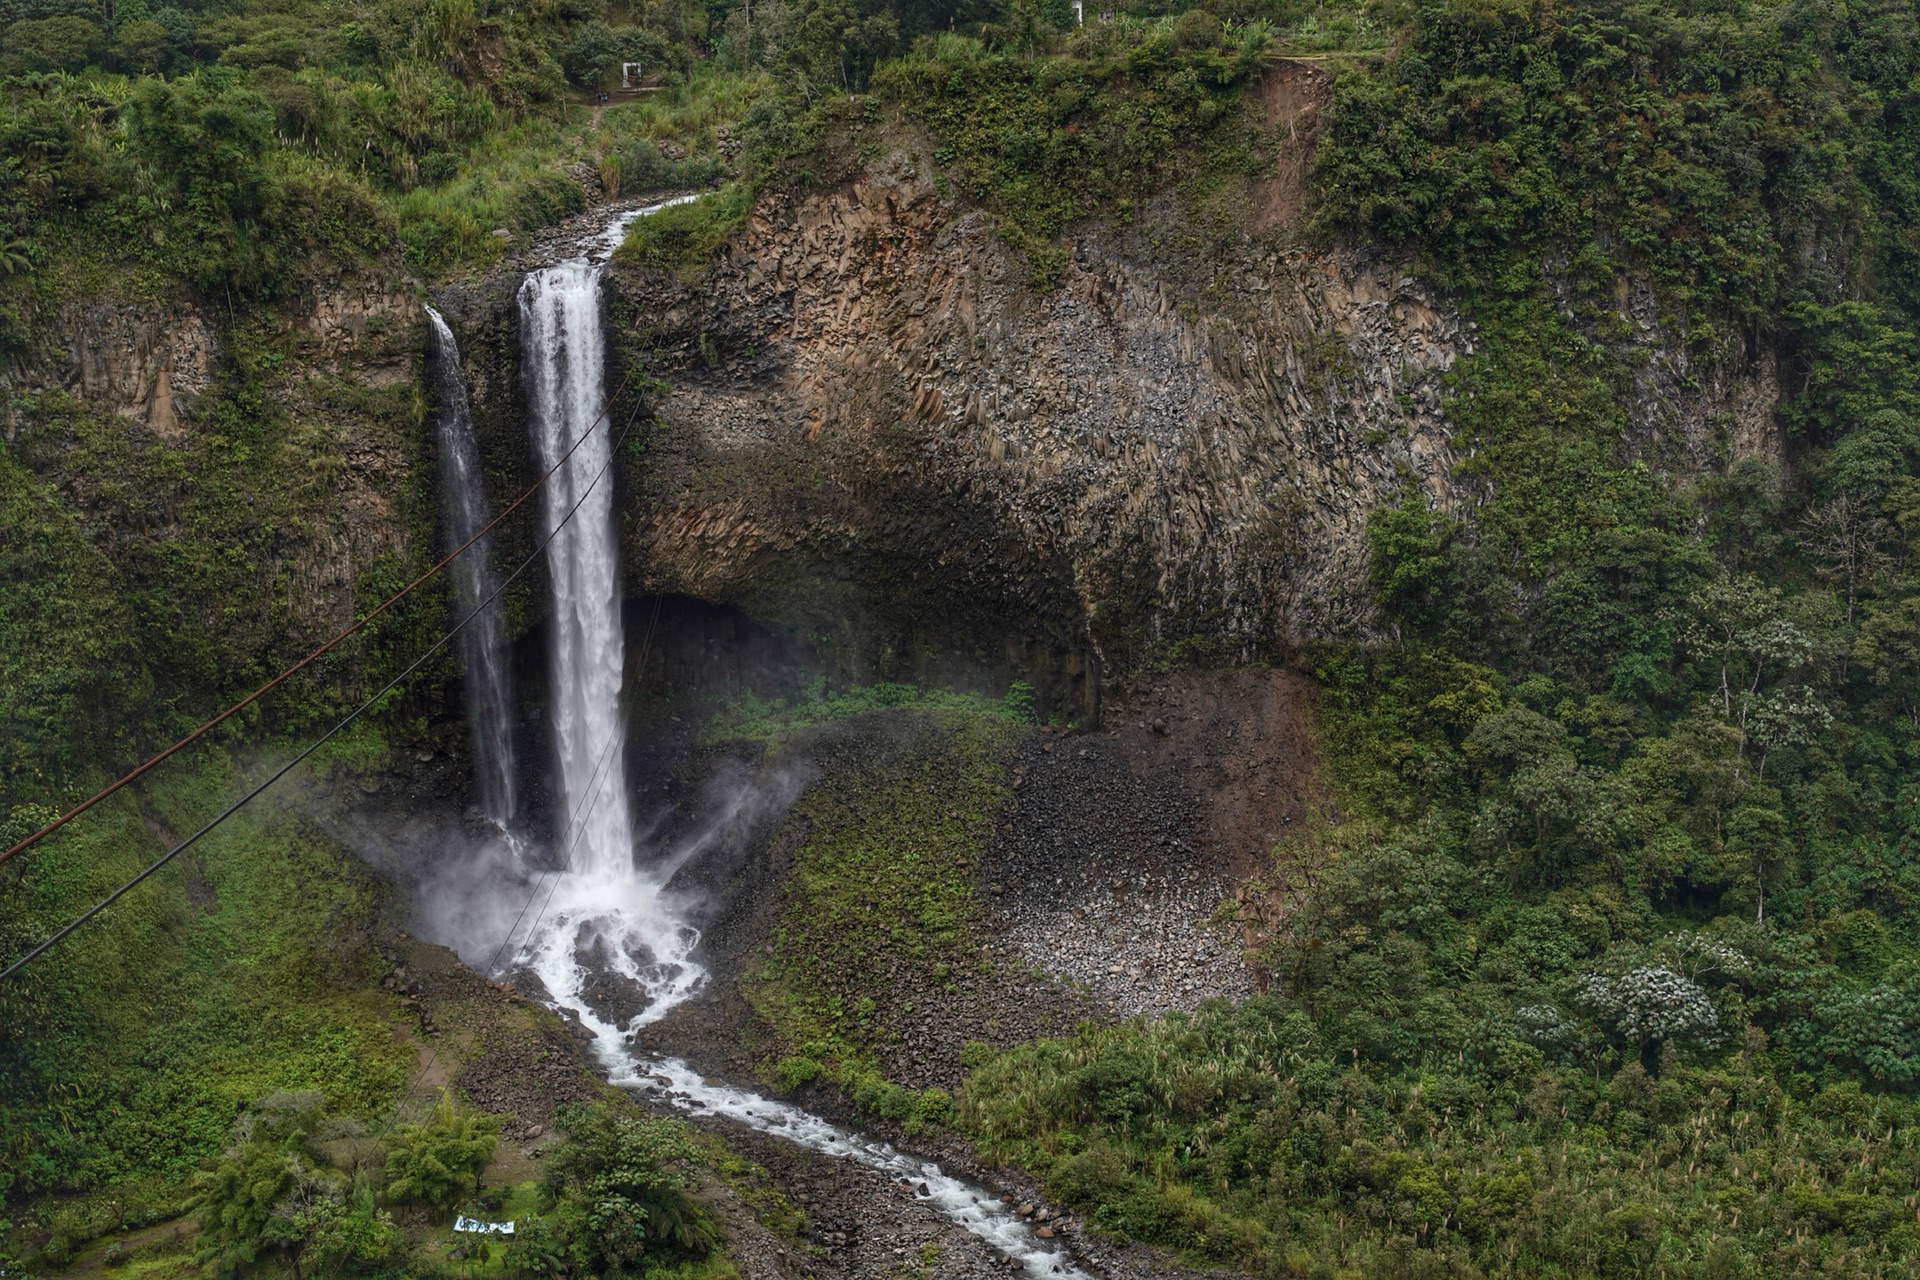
1109	466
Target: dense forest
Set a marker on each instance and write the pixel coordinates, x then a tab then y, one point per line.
1602	957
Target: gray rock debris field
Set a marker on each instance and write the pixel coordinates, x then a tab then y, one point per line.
1097	878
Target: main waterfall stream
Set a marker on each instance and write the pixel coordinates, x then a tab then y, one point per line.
609	910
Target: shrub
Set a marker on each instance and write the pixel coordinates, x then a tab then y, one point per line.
637	165
438	1162
615	1195
936	1106
685	237
274	1191
795	1072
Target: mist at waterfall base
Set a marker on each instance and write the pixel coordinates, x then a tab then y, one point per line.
589	909
603	934
587	941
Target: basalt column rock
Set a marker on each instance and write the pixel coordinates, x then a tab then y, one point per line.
878	421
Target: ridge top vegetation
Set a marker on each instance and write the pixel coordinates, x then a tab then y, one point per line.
1604	959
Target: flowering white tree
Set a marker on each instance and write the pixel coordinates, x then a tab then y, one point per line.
1649	1006
1698	954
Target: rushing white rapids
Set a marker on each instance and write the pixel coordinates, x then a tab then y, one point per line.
483	641
608	915
973	1207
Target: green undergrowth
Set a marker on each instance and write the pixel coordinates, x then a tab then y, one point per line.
244	968
515	180
751	717
683	238
1124	111
877	915
617	1198
1244	1135
175	588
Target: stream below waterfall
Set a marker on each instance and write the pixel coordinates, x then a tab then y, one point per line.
609	914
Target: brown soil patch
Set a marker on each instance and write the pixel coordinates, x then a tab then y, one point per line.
1243	741
1291	96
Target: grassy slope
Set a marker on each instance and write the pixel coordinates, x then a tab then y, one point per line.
245	968
877	917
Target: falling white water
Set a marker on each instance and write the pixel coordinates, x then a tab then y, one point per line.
607	915
483	640
613	945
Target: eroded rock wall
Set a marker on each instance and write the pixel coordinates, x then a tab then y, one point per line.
873	381
287	445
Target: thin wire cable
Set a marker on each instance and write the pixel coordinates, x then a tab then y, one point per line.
645	646
323	739
27	842
578	825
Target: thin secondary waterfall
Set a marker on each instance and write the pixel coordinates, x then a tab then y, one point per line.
612	926
483	640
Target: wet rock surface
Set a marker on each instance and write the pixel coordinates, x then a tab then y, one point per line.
506	1054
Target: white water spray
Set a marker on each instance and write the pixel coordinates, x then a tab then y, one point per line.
483	641
608	916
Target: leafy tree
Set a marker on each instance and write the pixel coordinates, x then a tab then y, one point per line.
837	43
143	46
1759	848
1887	648
64	43
615	1195
272	1193
1650	1006
594	57
1741	627
440	1161
1409	562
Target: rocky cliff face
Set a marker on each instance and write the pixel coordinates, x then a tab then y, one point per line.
876	402
244	476
883	439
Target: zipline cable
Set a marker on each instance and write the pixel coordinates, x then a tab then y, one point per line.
355	714
24	844
577	824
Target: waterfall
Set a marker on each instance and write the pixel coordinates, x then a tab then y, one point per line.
610	941
608	913
563	357
483	641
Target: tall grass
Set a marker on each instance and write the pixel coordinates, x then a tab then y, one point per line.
512	181
691	111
